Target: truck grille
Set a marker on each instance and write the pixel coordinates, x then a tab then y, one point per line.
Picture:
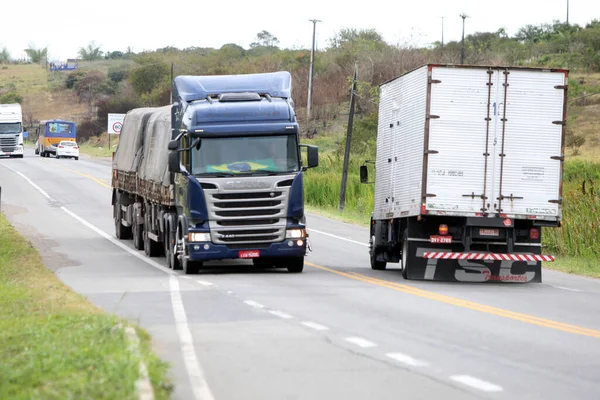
252	217
8	144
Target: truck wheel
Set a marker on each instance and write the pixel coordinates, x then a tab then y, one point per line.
405	255
137	231
295	265
171	248
151	248
121	232
376	265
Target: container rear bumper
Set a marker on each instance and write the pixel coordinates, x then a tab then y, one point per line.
197	251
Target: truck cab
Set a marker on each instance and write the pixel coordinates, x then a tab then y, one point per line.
11	130
238	171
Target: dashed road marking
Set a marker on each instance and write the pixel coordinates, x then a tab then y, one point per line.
360	342
476	383
406	359
315	326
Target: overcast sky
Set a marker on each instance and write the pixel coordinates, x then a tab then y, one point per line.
65	26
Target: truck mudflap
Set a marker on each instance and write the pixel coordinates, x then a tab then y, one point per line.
435	264
210	251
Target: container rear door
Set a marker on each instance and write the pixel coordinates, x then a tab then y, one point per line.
529	144
462	126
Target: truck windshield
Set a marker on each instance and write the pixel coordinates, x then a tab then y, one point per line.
246	155
14	127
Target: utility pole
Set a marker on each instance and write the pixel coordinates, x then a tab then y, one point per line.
567	12
462	50
442	32
311	71
171	100
348	142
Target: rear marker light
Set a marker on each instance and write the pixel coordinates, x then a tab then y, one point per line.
443	230
534	233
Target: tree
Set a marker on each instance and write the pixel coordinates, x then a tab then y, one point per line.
264	39
91	52
4	56
151	72
36	55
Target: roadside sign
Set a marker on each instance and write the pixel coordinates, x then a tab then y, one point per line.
115	123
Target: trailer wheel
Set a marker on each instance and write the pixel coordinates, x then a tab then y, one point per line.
376	265
137	231
405	255
295	265
121	232
151	248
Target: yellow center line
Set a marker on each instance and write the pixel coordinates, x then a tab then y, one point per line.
100	181
547	323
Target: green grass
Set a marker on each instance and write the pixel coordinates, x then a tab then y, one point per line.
576	265
54	344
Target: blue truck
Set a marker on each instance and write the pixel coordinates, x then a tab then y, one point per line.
216	175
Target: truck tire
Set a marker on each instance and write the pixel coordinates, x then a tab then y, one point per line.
405	254
171	239
137	230
295	265
121	232
376	265
151	248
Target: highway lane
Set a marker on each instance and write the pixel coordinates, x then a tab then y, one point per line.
337	330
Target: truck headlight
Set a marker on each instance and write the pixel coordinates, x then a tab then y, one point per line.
295	233
199	237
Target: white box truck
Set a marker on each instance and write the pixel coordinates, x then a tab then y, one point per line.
11	130
468	171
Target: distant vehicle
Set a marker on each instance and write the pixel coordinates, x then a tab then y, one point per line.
51	132
11	130
67	149
468	172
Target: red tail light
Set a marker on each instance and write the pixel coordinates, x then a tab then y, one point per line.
534	233
75	147
61	147
443	230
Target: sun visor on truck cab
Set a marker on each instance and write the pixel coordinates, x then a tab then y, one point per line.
191	88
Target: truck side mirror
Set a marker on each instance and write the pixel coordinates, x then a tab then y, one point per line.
312	156
174	164
364	174
173	145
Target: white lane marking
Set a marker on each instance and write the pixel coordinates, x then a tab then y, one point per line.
143	385
195	373
254	304
204	283
406	359
229	292
338	237
199	385
476	383
360	342
281	314
566	288
315	326
39	189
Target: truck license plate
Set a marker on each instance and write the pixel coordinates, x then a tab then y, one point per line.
249	254
489	232
440	239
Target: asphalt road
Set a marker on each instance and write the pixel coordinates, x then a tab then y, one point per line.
337	331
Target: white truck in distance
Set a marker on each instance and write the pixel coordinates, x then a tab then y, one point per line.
11	130
468	171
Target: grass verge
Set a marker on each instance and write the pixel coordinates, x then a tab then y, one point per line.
54	344
576	265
